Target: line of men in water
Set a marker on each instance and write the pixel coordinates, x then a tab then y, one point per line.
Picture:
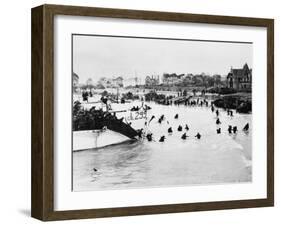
231	129
197	102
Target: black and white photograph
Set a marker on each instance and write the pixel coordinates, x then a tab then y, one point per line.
159	112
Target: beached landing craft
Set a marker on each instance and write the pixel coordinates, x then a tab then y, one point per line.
89	139
97	128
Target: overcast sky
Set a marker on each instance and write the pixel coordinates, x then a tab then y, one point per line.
96	56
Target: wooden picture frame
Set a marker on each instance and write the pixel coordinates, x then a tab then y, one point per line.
43	109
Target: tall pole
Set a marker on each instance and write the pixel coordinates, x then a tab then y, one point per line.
117	94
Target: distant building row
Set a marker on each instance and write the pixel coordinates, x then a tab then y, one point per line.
174	79
239	79
118	82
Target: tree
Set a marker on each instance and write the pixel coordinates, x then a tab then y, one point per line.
89	82
100	86
104	93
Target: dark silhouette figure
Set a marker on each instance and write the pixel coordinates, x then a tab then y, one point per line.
212	108
206	103
140	132
162	139
234	129
184	136
228	112
135	108
152	117
198	136
149	136
147	107
161	119
85	96
170	130
246	127
95	170
180	128
229	129
218	130
186	127
218	121
176	116
217	112
231	113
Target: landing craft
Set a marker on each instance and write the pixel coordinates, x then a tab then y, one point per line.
99	128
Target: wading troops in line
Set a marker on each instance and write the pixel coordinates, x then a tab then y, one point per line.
231	129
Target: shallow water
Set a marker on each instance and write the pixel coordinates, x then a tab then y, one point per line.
214	159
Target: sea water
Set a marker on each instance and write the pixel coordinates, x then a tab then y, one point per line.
213	159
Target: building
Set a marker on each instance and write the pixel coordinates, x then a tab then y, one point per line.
152	80
131	82
198	80
172	79
187	80
75	81
217	80
111	82
240	79
117	82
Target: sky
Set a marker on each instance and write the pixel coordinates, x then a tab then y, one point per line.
103	56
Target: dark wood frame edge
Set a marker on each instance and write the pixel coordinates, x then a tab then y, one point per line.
42	197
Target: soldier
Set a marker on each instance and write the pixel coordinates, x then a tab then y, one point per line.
170	130
149	136
184	136
217	112
180	128
229	129
198	136
218	121
152	117
162	139
246	127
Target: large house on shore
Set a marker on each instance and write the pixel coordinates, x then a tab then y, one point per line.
240	79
